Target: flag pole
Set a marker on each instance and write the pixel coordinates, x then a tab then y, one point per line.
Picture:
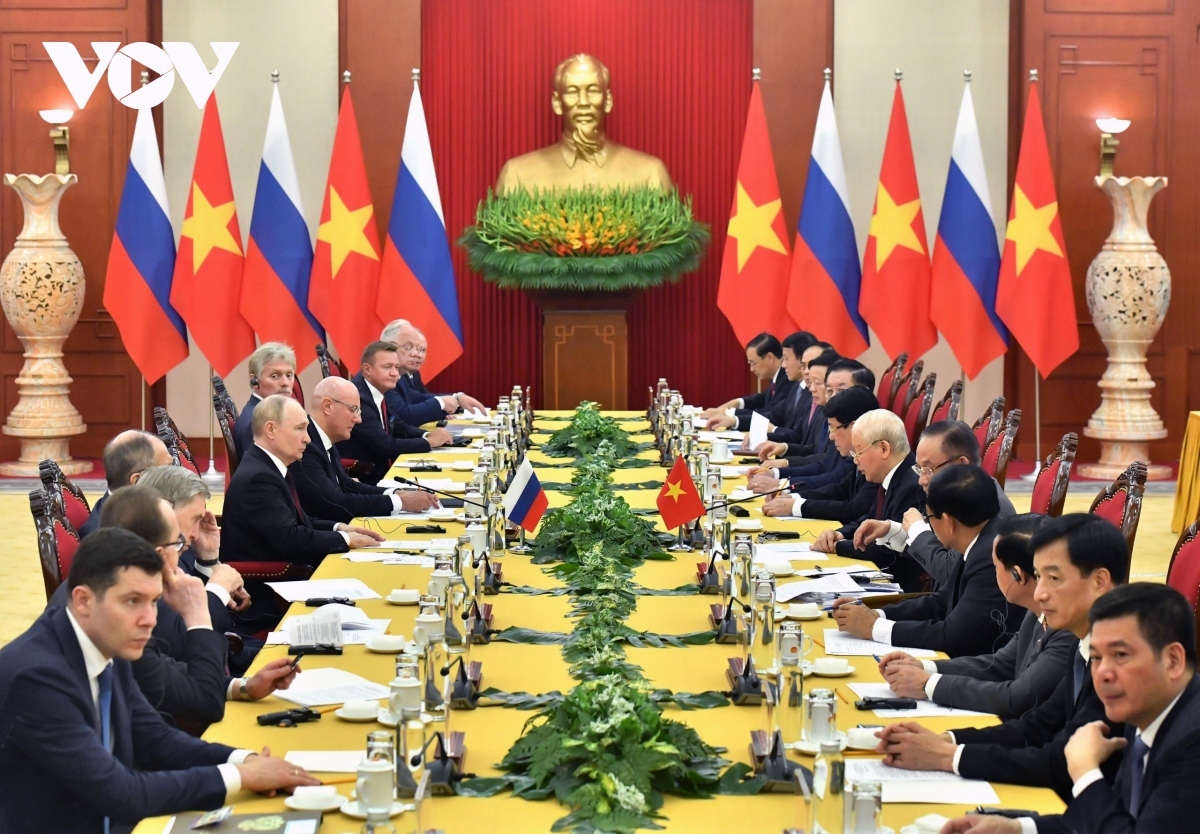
142	389
212	477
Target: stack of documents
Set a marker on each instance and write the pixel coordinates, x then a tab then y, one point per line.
323	588
333	625
321	687
932	786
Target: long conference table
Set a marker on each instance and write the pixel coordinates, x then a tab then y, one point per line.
490	731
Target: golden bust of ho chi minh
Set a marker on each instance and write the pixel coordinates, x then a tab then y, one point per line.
584	156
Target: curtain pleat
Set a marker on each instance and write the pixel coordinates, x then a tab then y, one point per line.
681	85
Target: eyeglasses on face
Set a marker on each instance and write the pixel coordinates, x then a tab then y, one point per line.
409	347
179	544
842	426
925	470
855	454
354	409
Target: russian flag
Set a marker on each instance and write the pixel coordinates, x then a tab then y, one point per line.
826	276
137	286
525	502
966	257
279	254
417	278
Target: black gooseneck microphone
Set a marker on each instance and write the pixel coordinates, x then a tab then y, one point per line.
433	491
784	488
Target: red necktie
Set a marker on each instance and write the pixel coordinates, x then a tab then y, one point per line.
383	412
879	502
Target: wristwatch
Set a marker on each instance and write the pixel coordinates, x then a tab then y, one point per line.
243	694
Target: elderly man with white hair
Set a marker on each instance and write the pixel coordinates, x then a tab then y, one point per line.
272	371
325	490
411	401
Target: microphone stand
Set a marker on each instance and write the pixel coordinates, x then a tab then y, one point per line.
464	693
433	491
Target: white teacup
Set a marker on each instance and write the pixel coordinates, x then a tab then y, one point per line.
862	737
313	797
374	785
831	665
360	709
386	642
930	823
720	450
804	609
404	596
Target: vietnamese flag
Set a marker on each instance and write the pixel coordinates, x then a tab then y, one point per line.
206	287
1034	297
678	501
896	272
756	262
345	272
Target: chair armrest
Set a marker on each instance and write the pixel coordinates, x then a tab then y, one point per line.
273	570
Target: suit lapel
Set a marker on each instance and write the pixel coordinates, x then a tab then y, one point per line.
1162	739
74	655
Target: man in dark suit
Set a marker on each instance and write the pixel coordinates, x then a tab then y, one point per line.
966	616
262	516
325	490
789	408
1143	659
411	401
764	355
126	457
1015	679
804	430
1079	558
80	748
378	439
272	371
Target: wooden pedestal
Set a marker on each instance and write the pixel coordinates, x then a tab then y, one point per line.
585	349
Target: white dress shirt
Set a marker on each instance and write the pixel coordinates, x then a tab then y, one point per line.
881	632
283	473
328	444
94	662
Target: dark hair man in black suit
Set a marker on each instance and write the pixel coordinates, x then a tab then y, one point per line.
326	491
1078	558
968	615
126	457
1143	664
764	355
79	744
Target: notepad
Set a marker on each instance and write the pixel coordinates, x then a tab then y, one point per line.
929	786
758	430
323	588
830	583
844	644
329	685
325	761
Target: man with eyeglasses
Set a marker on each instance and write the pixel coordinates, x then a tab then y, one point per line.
410	400
325	490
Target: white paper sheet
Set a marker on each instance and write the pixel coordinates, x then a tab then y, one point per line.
330	685
413	560
791	548
932	786
835	583
843	644
822	570
734	471
925	709
325	761
758	430
710	436
312	588
410	545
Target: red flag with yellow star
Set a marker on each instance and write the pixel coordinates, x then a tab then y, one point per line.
678	500
756	262
207	285
894	299
345	273
1034	297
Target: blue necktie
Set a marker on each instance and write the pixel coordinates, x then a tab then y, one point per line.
105	681
1138	751
1081	671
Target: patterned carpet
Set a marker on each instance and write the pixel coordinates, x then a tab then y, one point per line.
22	593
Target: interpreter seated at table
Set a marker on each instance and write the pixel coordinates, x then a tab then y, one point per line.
325	490
1143	662
1078	558
968	615
1019	676
378	440
410	401
764	355
81	749
879	448
853	496
230	604
262	516
944	443
272	371
126	457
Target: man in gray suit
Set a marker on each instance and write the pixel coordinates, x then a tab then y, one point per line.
1019	676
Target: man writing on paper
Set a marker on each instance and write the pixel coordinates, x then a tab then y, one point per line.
968	615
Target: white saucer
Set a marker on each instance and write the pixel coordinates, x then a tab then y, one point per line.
333	803
814	747
721	461
387	719
351	808
457	487
339	712
747	525
782	614
849	671
396	650
462	465
806	668
868	748
472	432
389	599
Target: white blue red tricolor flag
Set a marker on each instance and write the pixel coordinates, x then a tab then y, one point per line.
417	278
279	254
826	276
525	502
137	287
966	257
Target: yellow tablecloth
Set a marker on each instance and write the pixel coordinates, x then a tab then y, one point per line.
511	667
1187	489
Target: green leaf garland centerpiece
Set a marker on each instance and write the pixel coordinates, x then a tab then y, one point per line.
586	431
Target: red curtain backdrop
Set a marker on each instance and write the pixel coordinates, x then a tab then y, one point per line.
681	85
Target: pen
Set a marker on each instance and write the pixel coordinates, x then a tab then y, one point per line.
877	658
297	660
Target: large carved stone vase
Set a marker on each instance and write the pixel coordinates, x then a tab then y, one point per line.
41	287
1128	292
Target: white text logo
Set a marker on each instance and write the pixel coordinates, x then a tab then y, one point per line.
171	58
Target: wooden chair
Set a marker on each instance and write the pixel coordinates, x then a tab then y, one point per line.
227	415
297	391
910	385
1053	477
948	406
1121	501
987	427
70	499
174	440
57	540
998	453
1183	574
916	416
329	365
889	381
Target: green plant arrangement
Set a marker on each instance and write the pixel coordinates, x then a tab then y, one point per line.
586	431
585	239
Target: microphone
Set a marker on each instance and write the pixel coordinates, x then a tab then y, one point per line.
433	491
420	754
784	488
445	670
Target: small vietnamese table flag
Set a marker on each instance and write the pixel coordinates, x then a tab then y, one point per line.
678	501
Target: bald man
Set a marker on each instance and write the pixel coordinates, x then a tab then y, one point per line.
325	490
126	457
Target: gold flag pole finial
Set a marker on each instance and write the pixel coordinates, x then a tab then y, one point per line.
756	74
416	74
828	74
899	74
274	76
346	76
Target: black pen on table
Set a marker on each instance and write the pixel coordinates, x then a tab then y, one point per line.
296	660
